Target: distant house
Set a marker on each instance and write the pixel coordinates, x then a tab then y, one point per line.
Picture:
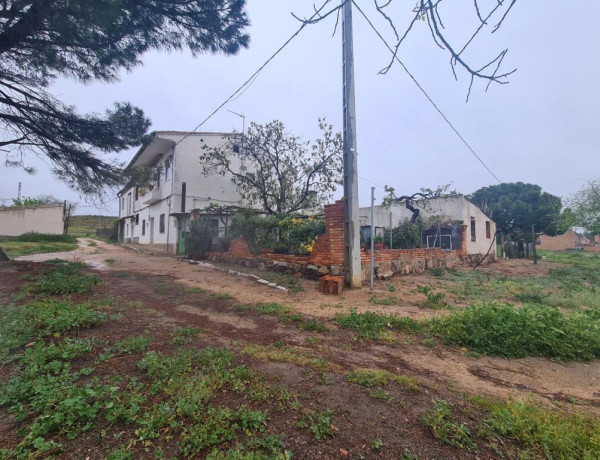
460	225
159	213
43	218
571	239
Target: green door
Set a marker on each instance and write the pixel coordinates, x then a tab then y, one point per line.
181	243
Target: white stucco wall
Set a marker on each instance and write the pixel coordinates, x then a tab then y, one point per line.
455	208
15	221
183	153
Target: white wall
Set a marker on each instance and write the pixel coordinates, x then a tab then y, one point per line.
15	221
183	153
454	208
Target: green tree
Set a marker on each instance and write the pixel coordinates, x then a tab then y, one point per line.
586	206
42	40
278	171
515	207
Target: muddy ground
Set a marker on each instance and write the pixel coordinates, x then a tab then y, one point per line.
443	372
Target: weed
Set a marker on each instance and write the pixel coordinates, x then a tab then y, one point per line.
380	393
287	355
437	271
319	422
195	290
376	444
379	378
558	435
503	330
65	279
408	455
43	318
313	325
133	344
110	261
184	335
120	454
391	288
222	295
439	420
390	300
434	299
372	326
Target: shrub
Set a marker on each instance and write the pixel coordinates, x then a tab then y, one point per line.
34	237
502	330
200	240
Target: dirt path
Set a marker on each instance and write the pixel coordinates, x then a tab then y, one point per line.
547	380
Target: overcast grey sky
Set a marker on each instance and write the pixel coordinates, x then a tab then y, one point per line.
541	128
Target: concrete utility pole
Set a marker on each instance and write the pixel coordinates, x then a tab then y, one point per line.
372	270
351	221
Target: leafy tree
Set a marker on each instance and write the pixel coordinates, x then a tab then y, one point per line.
586	206
278	171
515	207
41	40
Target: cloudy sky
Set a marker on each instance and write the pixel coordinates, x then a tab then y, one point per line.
540	128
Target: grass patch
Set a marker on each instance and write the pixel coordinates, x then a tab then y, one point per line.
543	432
17	248
287	355
320	423
222	295
286	314
135	344
439	420
372	326
64	279
434	299
380	378
185	335
502	330
390	300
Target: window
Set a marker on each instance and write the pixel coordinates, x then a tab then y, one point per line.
473	232
123	204
129	203
168	169
161	224
488	229
143	227
137	219
137	193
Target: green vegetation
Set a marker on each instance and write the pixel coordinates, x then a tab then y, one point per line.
185	335
37	243
222	295
503	330
439	421
286	354
495	329
372	326
287	315
86	226
319	422
65	278
379	378
390	300
434	299
543	432
134	344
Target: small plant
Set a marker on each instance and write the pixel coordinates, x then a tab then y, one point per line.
195	290
377	444
437	271
184	335
319	422
135	344
222	295
380	393
65	279
434	299
439	420
390	300
380	378
313	325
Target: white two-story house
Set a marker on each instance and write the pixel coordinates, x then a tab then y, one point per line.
160	212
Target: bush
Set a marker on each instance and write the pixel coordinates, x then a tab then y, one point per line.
406	235
34	237
200	240
502	330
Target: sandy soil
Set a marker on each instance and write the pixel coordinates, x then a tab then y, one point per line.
546	380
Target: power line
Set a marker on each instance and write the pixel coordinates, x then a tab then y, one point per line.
238	92
424	92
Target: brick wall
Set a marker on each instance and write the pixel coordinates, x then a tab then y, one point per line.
328	254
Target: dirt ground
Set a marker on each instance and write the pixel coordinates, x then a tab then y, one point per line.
548	381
